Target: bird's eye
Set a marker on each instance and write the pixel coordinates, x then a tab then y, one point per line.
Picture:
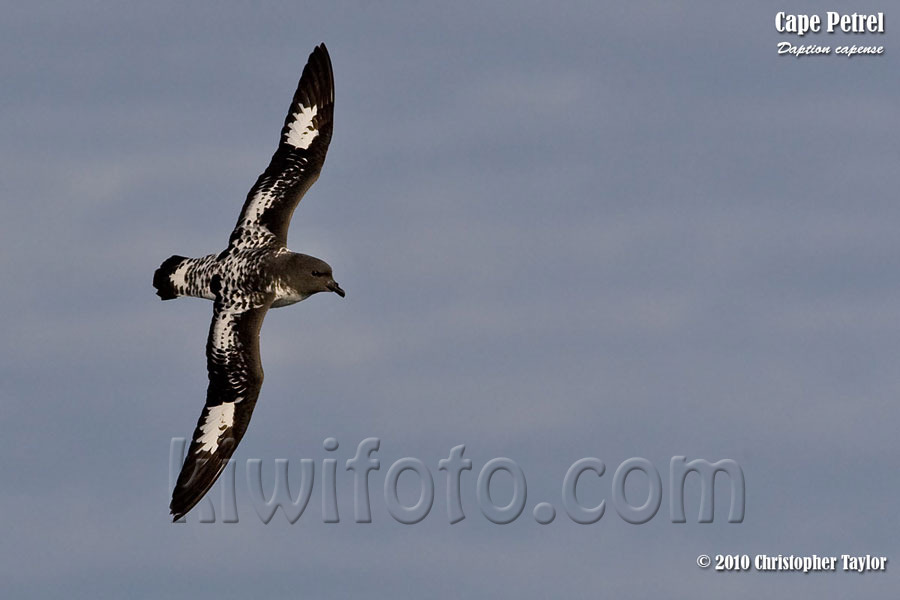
317	274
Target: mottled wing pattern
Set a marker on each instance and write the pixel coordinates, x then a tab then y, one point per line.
181	276
297	162
235	377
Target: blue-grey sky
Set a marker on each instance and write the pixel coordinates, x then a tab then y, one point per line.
565	230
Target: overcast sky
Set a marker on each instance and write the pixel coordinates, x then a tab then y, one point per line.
565	230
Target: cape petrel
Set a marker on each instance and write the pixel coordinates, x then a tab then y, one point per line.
254	273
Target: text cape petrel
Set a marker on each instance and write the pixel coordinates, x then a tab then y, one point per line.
255	272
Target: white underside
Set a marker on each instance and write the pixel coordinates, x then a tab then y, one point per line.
288	300
285	296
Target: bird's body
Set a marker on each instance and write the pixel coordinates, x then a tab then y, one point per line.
254	273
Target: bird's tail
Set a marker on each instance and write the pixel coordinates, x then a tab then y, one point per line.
162	278
180	276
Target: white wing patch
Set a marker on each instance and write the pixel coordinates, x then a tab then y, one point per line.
224	336
219	419
261	202
302	132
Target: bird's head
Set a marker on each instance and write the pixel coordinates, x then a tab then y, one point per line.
313	275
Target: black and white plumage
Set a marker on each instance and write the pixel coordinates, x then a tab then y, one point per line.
254	273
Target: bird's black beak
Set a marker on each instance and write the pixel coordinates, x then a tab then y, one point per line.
334	287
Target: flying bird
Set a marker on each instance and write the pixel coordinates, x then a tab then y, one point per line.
254	273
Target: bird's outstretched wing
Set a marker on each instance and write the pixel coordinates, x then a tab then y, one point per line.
235	377
297	162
